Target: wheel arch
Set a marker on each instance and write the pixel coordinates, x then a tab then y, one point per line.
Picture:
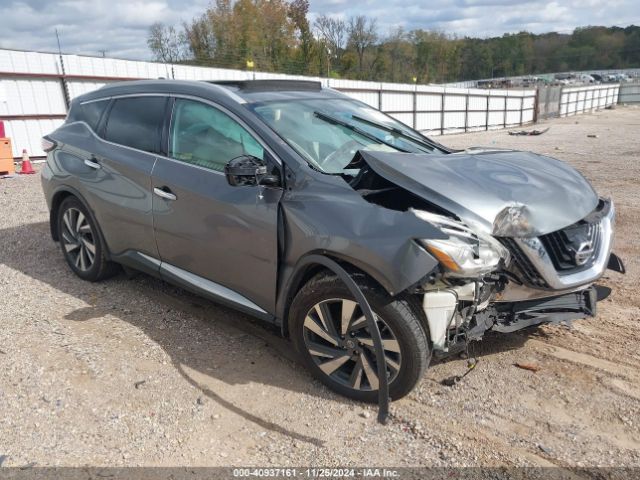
304	271
60	196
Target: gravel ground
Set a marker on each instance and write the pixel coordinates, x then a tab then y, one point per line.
133	372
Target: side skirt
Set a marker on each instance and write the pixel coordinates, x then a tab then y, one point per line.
193	283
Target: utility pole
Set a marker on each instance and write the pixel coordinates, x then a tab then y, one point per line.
65	88
328	63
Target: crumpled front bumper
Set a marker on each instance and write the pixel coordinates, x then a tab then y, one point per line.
560	309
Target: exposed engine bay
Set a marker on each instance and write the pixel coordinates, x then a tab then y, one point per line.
507	264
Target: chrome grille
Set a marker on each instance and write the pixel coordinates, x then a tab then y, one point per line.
553	259
564	246
525	266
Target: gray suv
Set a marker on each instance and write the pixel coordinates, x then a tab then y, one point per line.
228	189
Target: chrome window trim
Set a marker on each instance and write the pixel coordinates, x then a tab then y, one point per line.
211	103
537	254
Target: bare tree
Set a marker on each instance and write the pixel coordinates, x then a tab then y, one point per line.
166	43
333	31
362	35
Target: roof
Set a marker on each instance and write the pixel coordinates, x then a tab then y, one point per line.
241	91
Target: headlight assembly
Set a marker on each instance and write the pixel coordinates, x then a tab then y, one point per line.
466	253
513	221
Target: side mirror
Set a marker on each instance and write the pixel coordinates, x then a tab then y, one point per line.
249	170
269	181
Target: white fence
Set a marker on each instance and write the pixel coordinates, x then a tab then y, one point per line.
629	93
35	89
585	99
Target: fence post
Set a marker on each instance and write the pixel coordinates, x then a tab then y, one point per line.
466	112
560	102
504	118
487	113
521	109
443	94
415	108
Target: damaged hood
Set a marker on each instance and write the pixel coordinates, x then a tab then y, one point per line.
478	186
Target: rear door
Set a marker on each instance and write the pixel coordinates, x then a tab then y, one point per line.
209	233
122	162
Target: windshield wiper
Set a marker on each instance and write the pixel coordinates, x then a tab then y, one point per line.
396	131
359	131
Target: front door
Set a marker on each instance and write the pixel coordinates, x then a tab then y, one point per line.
205	228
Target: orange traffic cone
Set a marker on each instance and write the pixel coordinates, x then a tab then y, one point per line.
26	163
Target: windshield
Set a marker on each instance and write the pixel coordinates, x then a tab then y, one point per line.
329	132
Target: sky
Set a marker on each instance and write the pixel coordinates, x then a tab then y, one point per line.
119	27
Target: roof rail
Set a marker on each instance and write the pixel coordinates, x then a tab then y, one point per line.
270	85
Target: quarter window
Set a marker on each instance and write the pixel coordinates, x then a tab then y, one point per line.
90	113
137	122
203	135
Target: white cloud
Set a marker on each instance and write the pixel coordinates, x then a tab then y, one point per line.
120	26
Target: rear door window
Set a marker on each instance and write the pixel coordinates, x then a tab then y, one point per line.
136	122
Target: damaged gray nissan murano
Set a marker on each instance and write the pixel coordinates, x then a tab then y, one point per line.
227	189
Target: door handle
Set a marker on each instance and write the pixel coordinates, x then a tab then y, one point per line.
165	193
91	162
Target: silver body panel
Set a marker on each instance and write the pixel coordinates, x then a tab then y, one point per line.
477	187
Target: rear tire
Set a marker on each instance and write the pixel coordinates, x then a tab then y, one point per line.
81	243
343	358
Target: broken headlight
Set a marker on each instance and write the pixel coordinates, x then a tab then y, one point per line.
466	253
513	221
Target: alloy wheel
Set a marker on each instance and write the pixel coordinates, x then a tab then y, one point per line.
78	239
337	337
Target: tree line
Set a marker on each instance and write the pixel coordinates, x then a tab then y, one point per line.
277	36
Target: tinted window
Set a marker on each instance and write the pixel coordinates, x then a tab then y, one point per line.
88	112
203	135
92	111
136	122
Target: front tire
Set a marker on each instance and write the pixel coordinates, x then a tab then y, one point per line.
331	335
82	246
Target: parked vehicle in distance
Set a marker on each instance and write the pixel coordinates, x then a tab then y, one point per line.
564	78
586	78
227	188
623	78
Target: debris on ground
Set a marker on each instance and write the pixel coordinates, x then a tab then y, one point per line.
528	132
451	381
591	135
527	366
139	384
544	449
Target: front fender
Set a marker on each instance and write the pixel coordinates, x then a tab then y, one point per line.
336	222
